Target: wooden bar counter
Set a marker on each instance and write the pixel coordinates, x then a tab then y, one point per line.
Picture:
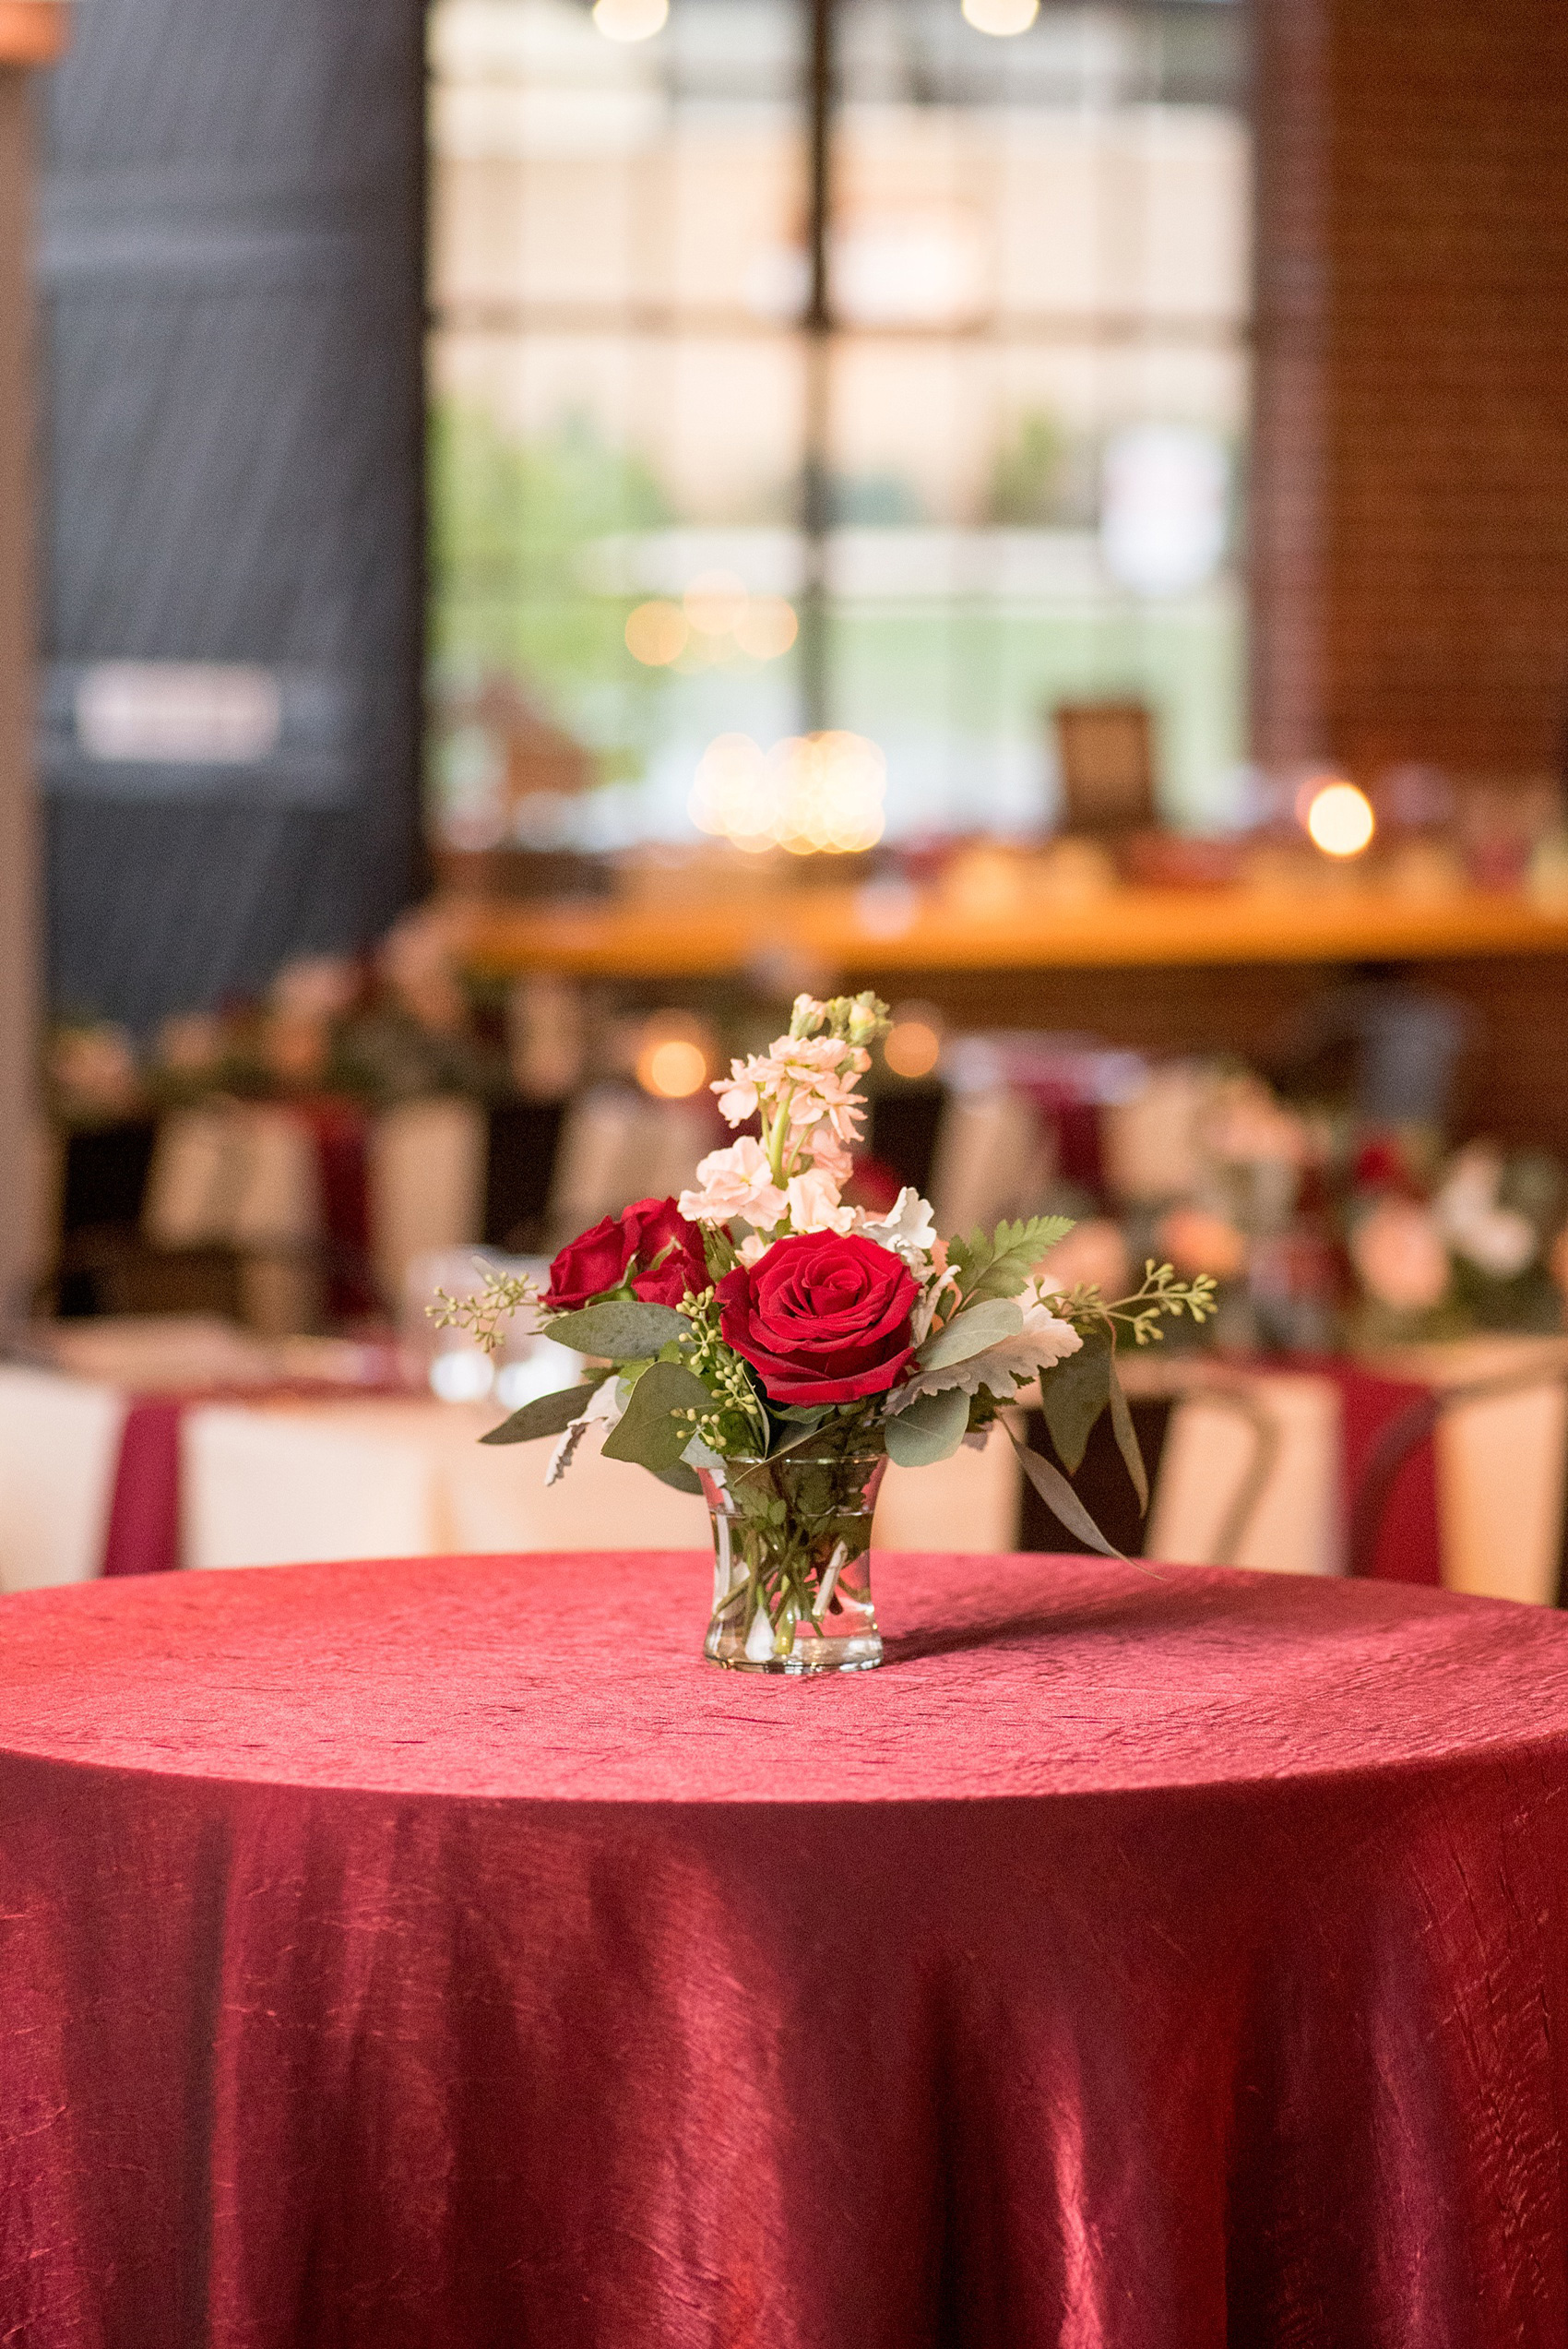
1164	969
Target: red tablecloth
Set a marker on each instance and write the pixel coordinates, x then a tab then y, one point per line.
437	1956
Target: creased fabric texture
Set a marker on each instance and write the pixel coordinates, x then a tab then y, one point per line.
437	1955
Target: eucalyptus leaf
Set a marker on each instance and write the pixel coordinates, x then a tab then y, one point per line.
546	1415
1061	1501
970	1332
646	1432
1073	1394
680	1478
623	1329
931	1430
1127	1439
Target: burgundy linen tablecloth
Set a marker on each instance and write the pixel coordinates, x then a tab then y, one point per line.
437	1956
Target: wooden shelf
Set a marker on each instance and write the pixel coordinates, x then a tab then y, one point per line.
851	932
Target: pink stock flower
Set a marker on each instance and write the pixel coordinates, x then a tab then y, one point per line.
737	1181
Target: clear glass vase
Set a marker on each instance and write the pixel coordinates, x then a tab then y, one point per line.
791	1565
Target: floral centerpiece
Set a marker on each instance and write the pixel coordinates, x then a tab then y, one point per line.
763	1343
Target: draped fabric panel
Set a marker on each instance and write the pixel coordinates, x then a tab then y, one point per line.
231	267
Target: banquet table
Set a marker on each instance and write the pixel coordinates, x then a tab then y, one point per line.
437	1954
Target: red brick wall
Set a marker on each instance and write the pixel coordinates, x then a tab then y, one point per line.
1410	499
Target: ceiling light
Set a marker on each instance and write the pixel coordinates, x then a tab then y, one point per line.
1001	16
631	20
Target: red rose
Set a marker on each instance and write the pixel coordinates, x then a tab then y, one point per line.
599	1260
653	1226
823	1319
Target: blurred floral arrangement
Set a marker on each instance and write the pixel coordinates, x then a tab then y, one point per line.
376	1029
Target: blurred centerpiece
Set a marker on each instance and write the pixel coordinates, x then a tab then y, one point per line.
763	1342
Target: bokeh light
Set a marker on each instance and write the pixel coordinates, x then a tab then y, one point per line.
675	1055
811	793
1339	819
913	1044
631	20
657	634
767	628
1001	16
715	602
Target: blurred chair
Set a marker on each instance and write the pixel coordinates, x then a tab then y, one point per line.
425	1175
59	1451
1105	757
1502	1479
618	1145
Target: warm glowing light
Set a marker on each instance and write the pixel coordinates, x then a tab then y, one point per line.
1001	16
811	793
1340	820
716	602
767	628
675	1056
631	20
913	1044
674	1069
657	634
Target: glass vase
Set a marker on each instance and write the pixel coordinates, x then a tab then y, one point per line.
791	1565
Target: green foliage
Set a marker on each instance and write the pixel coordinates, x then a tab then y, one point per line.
1027	473
970	1332
1127	1438
660	1417
998	1267
1060	1499
1074	1395
547	1416
929	1429
720	1250
622	1329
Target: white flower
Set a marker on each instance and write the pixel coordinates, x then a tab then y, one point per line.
1496	1239
908	1228
814	1204
737	1181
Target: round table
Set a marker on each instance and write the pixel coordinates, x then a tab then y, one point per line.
438	1955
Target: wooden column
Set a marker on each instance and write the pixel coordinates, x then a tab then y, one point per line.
31	34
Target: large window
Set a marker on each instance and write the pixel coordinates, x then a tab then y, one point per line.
829	369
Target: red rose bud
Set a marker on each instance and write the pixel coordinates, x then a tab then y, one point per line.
822	1318
597	1261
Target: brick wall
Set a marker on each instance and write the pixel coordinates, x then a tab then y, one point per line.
1410	507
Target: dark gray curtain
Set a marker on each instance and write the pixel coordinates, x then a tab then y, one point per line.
231	263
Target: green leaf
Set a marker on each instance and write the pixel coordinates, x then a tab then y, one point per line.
720	1250
1073	1394
546	1415
680	1478
998	1267
1127	1439
970	1332
1061	1501
620	1331
646	1432
931	1430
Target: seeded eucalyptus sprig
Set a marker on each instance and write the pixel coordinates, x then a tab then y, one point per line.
500	1295
1161	1297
